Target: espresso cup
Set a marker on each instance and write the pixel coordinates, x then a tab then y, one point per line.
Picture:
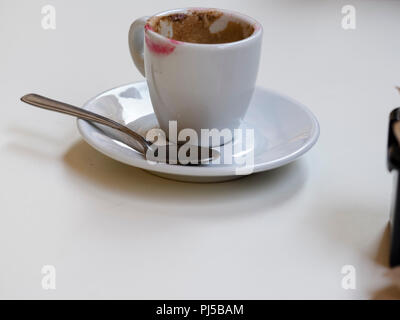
200	65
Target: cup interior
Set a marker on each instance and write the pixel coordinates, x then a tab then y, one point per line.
202	26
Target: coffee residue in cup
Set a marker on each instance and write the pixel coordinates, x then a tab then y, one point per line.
207	27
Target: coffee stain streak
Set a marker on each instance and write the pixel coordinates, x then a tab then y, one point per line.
194	27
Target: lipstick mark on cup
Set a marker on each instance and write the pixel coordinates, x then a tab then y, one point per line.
174	41
158	48
148	27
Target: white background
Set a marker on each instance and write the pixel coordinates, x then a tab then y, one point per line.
113	231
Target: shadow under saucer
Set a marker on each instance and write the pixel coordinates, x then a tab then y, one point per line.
261	190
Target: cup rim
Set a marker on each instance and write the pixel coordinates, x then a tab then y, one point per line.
258	29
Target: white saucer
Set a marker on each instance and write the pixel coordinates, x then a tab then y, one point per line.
283	130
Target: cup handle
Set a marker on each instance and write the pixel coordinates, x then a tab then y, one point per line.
136	43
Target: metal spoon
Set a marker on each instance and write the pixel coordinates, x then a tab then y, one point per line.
164	153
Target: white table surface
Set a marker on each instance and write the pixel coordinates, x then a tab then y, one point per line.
113	231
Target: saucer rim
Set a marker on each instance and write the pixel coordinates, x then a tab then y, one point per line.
200	171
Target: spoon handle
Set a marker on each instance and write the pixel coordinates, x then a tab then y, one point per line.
53	105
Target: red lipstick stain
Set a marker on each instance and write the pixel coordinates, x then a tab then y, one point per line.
174	41
158	48
148	27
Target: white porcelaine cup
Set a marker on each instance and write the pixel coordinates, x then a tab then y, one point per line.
200	86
